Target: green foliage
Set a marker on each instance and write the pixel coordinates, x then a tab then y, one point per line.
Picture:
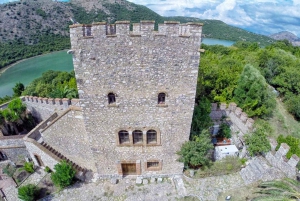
29	167
196	152
9	170
18	89
41	12
224	131
17	107
53	84
257	142
28	192
201	119
63	174
227	165
292	103
47	169
293	142
253	94
279	190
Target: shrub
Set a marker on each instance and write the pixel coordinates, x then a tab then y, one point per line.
47	169
257	142
9	170
224	131
28	192
63	175
196	153
29	167
293	142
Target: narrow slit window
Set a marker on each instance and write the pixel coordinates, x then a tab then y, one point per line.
137	137
123	137
161	98
153	164
151	137
111	98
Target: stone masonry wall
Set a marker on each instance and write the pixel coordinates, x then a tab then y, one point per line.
67	135
278	159
42	108
136	66
14	148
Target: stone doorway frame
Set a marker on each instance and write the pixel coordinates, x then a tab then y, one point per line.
39	160
137	166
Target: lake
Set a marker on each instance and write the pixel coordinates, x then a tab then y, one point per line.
27	70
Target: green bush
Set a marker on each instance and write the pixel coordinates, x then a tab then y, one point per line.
63	175
28	192
9	170
196	153
29	167
47	169
293	142
224	131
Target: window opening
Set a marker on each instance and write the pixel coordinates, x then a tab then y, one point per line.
137	136
111	98
123	137
151	136
153	164
161	98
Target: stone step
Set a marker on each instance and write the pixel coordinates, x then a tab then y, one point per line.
258	164
255	170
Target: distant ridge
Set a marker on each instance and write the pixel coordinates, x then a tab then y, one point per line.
285	35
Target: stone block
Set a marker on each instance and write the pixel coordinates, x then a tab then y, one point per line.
139	180
152	180
223	106
232	106
294	160
214	106
159	180
113	180
145	181
273	144
238	111
244	117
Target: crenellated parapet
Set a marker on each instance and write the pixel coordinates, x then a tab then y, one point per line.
236	114
42	108
279	160
144	28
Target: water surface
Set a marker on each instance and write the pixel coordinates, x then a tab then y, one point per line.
27	70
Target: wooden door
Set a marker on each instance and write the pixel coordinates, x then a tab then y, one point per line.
129	169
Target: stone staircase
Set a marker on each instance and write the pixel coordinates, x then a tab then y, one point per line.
259	169
62	157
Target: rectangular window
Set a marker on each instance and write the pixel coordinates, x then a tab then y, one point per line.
153	165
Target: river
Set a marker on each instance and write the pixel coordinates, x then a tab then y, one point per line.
27	70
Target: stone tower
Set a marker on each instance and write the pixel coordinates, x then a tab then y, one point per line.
137	91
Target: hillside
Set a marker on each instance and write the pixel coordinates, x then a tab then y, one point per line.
285	35
43	24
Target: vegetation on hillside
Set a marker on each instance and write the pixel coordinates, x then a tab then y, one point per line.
42	28
53	84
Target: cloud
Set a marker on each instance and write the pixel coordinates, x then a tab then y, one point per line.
259	16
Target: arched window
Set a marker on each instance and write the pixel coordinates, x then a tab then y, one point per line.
123	137
161	98
111	98
137	137
151	137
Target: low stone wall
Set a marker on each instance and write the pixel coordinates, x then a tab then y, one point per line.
42	108
239	119
278	159
14	148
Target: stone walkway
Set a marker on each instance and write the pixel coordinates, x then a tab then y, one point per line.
205	189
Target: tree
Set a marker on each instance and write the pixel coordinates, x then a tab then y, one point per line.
201	119
253	94
28	192
257	142
224	131
18	89
63	174
279	190
293	105
196	152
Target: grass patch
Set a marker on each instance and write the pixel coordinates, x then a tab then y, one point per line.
225	166
284	123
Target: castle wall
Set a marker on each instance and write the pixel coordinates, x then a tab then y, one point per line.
67	135
14	148
42	108
136	66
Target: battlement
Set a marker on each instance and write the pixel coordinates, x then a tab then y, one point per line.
42	108
279	160
235	113
122	28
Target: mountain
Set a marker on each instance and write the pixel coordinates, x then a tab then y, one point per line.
285	35
33	27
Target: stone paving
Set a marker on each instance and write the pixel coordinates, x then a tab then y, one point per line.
142	189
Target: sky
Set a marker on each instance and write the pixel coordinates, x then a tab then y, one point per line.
259	16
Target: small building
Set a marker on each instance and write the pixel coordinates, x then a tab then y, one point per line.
223	151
